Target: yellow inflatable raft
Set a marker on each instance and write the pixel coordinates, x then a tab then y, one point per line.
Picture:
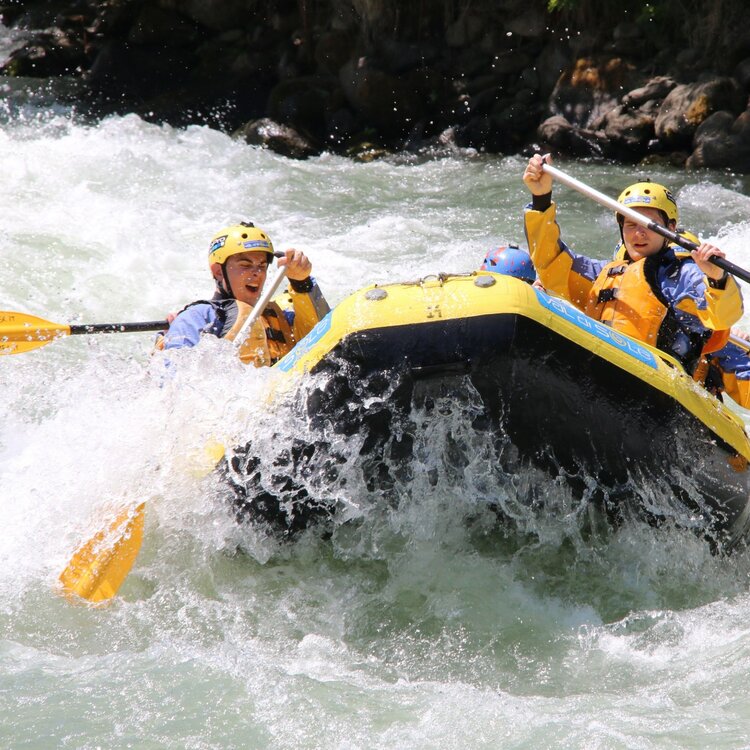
553	390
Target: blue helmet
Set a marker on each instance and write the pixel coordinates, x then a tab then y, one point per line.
510	260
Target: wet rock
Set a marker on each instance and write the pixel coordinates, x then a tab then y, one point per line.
591	88
688	105
557	134
478	133
365	152
675	159
722	141
629	131
657	88
377	71
282	139
50	53
303	102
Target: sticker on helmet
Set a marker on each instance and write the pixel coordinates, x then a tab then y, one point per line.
637	199
256	243
217	244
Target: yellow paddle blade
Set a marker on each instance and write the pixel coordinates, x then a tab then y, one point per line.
98	568
20	332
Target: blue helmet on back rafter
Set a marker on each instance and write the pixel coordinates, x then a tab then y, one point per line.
510	260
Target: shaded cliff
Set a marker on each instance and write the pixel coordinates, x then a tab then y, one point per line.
620	81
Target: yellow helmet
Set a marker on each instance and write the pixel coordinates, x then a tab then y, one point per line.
649	195
689	236
239	238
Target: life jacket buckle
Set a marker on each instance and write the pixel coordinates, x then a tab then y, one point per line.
274	334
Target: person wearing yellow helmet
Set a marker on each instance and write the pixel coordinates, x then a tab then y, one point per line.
239	257
727	370
654	291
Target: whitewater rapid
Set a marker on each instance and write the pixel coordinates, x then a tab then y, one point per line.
422	625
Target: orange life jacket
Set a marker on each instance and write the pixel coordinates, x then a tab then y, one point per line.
621	297
718	339
269	339
627	297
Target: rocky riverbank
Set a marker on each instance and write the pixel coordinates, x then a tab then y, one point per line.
368	77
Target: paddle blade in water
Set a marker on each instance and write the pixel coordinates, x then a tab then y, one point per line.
20	332
98	568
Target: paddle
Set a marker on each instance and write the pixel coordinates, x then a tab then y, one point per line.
260	305
99	566
742	343
639	218
20	332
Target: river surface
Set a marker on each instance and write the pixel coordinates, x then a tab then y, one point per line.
423	625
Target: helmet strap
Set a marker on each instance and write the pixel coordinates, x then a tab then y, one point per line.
226	287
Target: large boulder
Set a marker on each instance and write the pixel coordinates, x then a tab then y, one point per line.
49	53
303	103
629	131
722	142
280	138
558	134
688	105
656	89
585	92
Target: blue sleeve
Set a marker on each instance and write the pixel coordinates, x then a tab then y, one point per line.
582	264
688	284
734	359
187	327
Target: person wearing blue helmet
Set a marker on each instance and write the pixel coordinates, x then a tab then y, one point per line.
510	260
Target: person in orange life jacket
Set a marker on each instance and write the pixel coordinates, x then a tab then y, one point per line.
727	371
658	294
511	260
239	257
725	365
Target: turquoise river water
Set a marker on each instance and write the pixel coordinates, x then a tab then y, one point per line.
424	625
